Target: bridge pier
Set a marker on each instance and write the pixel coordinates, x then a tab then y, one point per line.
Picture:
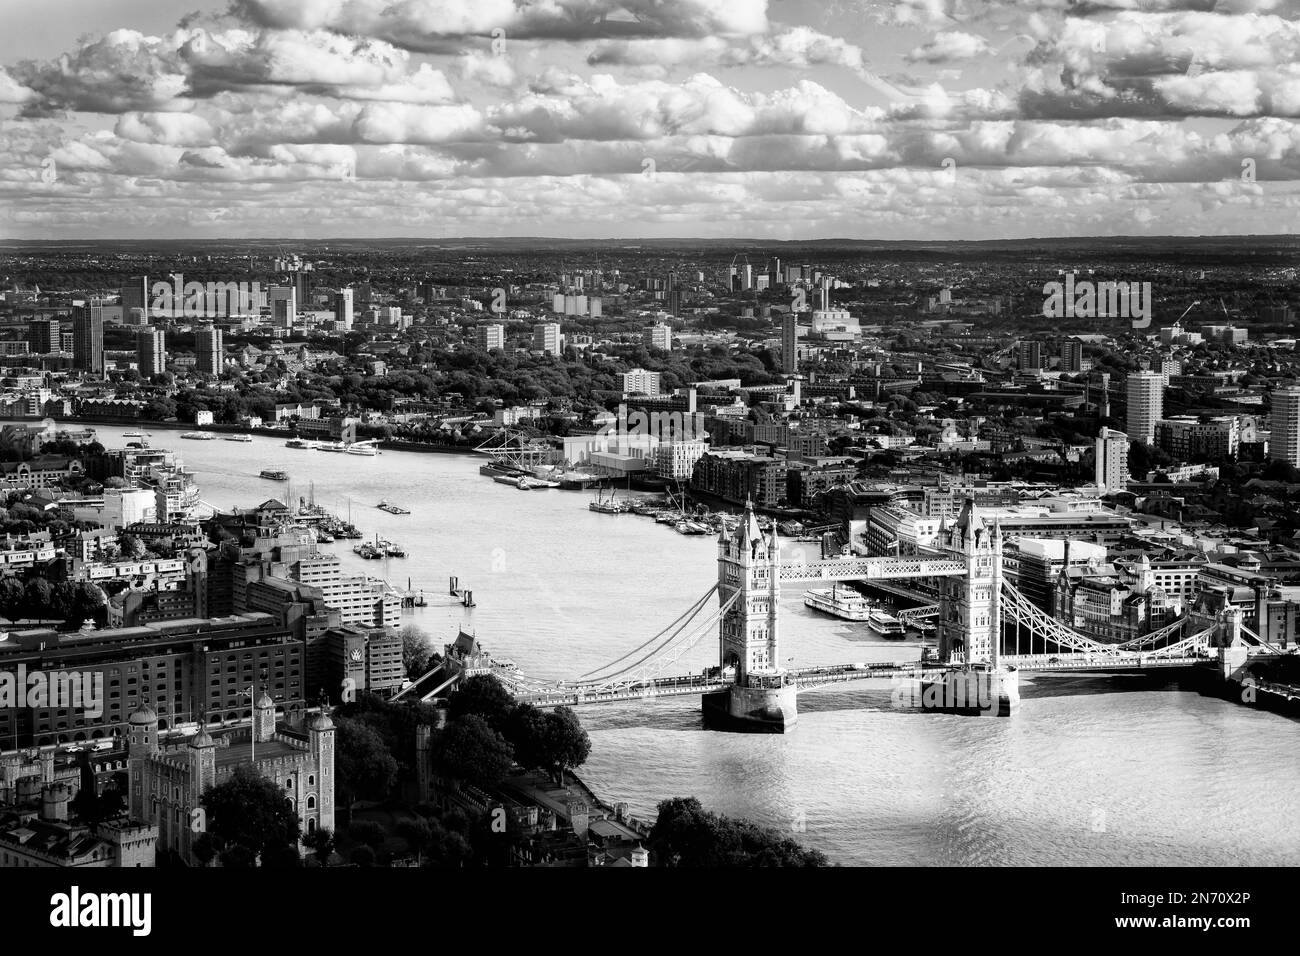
752	710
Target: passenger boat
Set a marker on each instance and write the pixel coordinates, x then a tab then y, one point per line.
844	603
299	443
274	475
335	446
241	438
369	451
886	625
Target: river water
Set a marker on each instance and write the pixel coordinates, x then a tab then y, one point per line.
1088	772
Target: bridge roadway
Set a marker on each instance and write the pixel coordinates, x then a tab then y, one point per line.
807	678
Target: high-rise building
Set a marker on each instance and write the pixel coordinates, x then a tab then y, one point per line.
490	337
547	338
343	309
1146	404
1112	461
88	339
151	351
209	346
1031	355
1284	422
640	382
135	295
659	336
1071	355
43	336
789	343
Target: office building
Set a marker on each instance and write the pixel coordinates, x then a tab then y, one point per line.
151	351
209	348
135	295
1284	422
1188	438
659	336
640	382
489	337
1071	355
789	343
547	338
343	314
88	339
43	336
1112	461
1146	403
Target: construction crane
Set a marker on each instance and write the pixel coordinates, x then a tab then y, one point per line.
1186	310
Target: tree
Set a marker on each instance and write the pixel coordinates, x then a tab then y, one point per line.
565	745
321	842
687	835
248	812
366	769
368	832
526	731
418	834
470	750
482	695
362	856
417	651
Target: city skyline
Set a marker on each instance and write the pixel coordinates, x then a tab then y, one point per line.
784	120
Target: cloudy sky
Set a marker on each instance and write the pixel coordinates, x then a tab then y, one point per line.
783	119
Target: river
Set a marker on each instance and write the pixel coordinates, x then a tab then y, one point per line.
1088	772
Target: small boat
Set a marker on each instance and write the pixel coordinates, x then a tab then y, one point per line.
241	438
391	508
133	434
886	625
274	475
394	550
299	443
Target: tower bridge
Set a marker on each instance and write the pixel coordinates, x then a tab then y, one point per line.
749	689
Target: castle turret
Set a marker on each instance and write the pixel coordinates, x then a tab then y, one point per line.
142	743
264	718
320	733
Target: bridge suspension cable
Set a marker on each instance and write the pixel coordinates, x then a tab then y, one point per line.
682	620
660	657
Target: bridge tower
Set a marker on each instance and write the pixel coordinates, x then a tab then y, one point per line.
749	562
762	696
970	627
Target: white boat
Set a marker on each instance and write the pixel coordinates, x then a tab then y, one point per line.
886	625
368	451
239	438
844	603
199	436
331	446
